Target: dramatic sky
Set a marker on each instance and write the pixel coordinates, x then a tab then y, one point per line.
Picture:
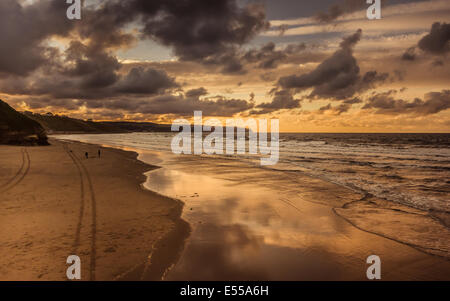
318	66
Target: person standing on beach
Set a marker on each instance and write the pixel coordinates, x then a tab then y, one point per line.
99	153
87	155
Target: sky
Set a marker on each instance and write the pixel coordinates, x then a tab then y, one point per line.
317	66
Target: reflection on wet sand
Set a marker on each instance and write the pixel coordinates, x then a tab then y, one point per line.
293	222
249	223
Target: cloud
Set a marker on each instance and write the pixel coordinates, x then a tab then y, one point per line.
353	100
195	29
208	32
438	63
229	61
438	40
23	29
98	79
409	54
337	77
396	19
283	99
268	57
176	104
196	92
35	103
337	10
145	81
142	104
95	67
385	103
341	69
87	74
336	110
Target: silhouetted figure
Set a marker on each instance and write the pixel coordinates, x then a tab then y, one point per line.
99	153
87	155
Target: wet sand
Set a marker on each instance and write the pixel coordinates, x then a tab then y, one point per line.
54	203
250	223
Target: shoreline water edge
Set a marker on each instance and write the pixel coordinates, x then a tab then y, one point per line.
196	218
361	211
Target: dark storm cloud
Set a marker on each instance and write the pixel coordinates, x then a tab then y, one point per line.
83	83
95	67
438	63
341	69
267	57
353	100
341	8
104	26
385	103
342	108
145	81
338	110
82	70
409	54
204	31
325	108
181	105
197	30
282	99
196	92
336	10
175	104
45	102
336	77
438	40
186	106
331	14
22	30
229	61
268	77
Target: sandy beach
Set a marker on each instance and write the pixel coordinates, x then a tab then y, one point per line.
125	219
54	203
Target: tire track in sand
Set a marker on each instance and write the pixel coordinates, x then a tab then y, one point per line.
21	173
82	200
84	175
18	172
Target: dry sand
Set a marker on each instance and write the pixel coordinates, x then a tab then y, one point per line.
54	203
